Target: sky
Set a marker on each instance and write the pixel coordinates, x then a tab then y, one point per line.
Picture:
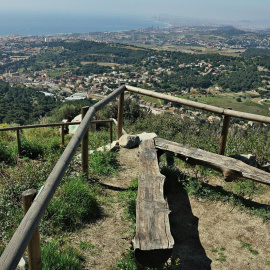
210	9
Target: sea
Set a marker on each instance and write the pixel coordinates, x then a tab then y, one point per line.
52	23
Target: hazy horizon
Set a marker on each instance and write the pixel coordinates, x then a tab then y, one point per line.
227	10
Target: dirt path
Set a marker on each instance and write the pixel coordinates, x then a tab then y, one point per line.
110	236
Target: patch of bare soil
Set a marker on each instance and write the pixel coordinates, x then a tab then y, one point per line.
210	235
110	236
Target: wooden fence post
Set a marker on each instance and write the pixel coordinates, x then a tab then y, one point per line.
85	145
63	135
120	114
224	134
111	132
33	248
18	142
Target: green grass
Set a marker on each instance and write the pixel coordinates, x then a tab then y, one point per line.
221	257
194	185
153	100
248	246
225	102
129	197
57	257
98	139
13	182
103	164
86	246
7	154
74	205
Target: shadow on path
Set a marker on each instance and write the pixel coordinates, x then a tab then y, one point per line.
184	229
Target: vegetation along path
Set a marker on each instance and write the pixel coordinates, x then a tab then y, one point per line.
110	236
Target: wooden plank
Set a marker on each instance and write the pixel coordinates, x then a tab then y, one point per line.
230	167
153	241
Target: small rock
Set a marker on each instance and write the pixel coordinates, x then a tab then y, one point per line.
21	265
129	141
146	136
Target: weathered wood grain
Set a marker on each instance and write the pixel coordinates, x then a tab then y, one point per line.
230	167
153	242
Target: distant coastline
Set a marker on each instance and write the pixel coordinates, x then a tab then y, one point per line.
52	24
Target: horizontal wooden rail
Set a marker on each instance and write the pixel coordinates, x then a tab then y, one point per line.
19	241
53	125
198	105
230	167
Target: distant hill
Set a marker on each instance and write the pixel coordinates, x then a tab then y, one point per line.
228	31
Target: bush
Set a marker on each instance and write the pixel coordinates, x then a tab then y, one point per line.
56	257
74	205
30	148
26	175
6	153
132	111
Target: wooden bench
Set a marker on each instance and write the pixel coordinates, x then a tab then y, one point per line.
153	243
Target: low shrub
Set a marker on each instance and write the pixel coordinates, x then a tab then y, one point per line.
6	153
31	149
74	205
26	175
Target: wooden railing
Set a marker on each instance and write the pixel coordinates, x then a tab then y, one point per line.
228	113
62	125
23	234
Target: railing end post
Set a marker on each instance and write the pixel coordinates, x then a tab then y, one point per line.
33	248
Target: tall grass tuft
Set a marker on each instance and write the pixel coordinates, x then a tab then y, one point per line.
74	205
57	257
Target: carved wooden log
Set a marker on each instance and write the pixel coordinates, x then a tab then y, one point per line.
230	167
153	242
